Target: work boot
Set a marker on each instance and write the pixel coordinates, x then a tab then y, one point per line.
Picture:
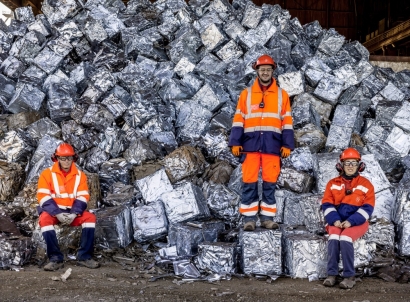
330	281
249	226
269	224
90	263
53	266
348	282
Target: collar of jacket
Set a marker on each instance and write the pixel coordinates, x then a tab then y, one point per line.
351	176
256	88
73	170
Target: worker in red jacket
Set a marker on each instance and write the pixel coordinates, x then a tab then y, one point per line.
262	131
347	205
62	196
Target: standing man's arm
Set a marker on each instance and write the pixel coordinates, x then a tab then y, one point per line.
288	139
236	137
45	200
82	197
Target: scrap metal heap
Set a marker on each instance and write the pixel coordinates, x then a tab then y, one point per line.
146	92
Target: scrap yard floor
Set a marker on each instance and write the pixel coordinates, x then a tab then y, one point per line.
113	283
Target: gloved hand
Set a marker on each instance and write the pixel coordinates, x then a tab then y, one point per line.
70	218
236	150
285	152
63	217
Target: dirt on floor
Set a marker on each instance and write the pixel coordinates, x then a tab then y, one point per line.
115	282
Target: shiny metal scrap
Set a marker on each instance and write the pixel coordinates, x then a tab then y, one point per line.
152	186
186	202
261	252
305	256
149	222
217	257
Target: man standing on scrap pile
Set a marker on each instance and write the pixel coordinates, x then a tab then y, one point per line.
262	130
347	205
62	196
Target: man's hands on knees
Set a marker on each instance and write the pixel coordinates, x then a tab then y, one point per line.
70	218
66	218
338	224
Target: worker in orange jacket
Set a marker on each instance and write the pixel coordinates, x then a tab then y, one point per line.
62	195
262	131
347	205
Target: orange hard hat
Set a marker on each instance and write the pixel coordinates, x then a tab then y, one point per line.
64	149
264	60
350	153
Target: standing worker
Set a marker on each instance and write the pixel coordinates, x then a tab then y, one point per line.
347	204
262	130
62	196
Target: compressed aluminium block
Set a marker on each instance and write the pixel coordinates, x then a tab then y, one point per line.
217	257
152	186
292	82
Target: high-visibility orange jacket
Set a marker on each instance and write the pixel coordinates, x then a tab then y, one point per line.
266	129
356	207
56	192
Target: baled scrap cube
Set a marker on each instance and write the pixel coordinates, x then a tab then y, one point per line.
381	232
7	90
373	84
261	34
399	141
331	42
48	60
222	7
12	67
114	170
217	257
212	37
94	30
24	14
305	256
192	122
149	222
293	213
402	117
40	25
345	116
401	209
188	236
374	173
79	137
292	82
43	127
141	151
209	18
374	134
384	205
261	252
28	47
229	52
300	53
210	64
300	159
58	11
325	169
186	202
322	108
387	157
26	98
165	139
95	157
252	15
363	70
33	76
184	66
138	114
19	120
310	136
294	180
68	30
152	186
114	227
14	147
61	100
92	94
329	89
113	141
304	113
60	46
17	28
312	212
214	142
347	74
223	203
114	105
340	59
313	76
98	117
338	137
10	181
103	80
253	54
233	29
184	162
357	50
404	238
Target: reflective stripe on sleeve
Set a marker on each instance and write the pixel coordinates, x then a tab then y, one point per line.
44	191
237	124
328	210
361	188
82	193
288	127
82	198
336	187
363	213
43	200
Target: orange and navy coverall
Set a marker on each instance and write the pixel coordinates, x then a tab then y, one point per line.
261	132
346	199
60	192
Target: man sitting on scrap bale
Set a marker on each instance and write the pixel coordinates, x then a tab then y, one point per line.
262	130
62	196
347	204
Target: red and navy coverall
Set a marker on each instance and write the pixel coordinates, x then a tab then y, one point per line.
356	207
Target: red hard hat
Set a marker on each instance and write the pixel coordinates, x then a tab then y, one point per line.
350	153
64	149
264	60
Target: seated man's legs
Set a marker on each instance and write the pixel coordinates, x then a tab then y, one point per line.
47	222
87	221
